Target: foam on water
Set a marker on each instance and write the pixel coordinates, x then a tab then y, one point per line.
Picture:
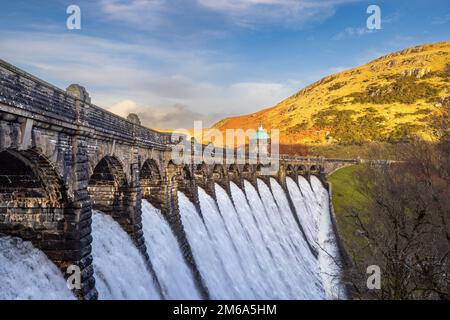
329	258
173	274
268	276
120	270
27	274
205	255
242	243
304	212
224	246
302	284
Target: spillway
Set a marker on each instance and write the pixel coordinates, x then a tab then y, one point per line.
120	270
262	241
27	274
171	270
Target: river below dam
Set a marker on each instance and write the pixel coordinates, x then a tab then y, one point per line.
250	243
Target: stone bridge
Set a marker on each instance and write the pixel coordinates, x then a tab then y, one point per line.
61	157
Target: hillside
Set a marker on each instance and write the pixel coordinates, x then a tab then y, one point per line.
388	99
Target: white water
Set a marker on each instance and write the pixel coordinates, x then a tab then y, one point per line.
119	268
262	262
329	258
208	262
173	274
27	274
223	245
248	246
295	259
309	275
306	216
242	244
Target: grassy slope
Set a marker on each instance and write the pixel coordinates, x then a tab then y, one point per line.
295	115
346	196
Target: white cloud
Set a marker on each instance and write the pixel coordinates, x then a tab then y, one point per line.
114	72
441	20
146	14
292	13
351	32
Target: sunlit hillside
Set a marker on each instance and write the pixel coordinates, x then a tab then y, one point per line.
388	99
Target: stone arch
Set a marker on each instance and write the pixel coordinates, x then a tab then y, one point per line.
258	169
218	172
34	205
247	174
186	183
201	169
234	175
108	190
302	169
290	169
315	169
172	171
96	157
201	175
151	181
219	176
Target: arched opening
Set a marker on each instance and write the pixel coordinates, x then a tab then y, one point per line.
314	169
218	173
259	168
33	201
301	169
172	170
151	183
290	170
107	187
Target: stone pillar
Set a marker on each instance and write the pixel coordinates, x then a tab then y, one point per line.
132	207
78	222
171	211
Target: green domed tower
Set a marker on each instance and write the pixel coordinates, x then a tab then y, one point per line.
260	142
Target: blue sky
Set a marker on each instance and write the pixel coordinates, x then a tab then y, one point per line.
176	61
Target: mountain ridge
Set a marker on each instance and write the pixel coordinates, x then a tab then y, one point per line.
390	98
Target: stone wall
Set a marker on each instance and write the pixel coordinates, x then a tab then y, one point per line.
61	157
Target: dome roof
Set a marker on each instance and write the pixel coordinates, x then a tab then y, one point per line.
260	134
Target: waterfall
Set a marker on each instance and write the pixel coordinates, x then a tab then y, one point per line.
120	270
329	254
260	260
205	255
173	274
303	211
311	280
242	244
246	244
223	244
27	274
302	280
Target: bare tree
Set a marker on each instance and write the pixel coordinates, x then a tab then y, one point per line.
404	226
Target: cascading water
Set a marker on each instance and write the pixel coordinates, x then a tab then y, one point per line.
303	211
173	274
263	270
302	278
120	270
27	274
208	262
223	244
240	240
306	258
247	246
329	254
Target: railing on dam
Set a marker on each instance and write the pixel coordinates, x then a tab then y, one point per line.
30	95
